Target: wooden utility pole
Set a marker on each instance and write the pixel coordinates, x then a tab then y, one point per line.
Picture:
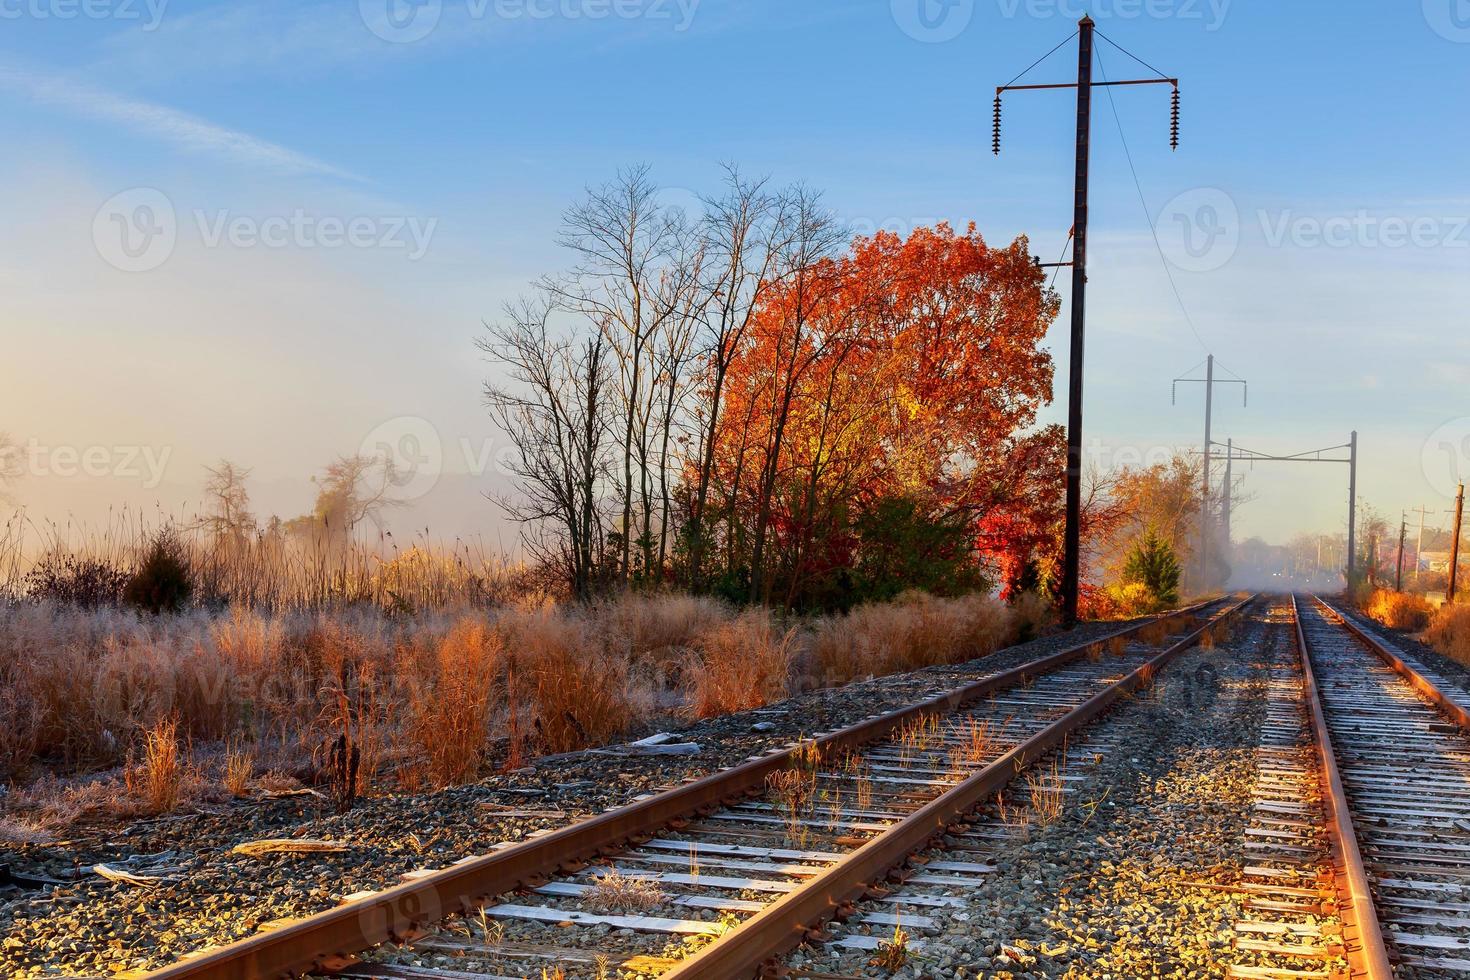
1398	578
1072	536
1455	543
1072	545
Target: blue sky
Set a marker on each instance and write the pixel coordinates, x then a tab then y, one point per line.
1320	179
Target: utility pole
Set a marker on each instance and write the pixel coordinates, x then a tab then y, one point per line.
1419	545
1072	544
1352	542
1206	512
1398	579
1226	495
1072	537
1455	543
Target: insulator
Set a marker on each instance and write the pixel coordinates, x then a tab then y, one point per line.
1174	121
995	128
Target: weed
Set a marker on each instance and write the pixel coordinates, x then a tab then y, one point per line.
1048	794
617	892
893	954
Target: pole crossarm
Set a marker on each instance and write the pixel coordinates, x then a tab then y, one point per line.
1245	398
1310	456
1002	89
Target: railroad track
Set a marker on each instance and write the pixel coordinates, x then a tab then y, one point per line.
719	876
1394	744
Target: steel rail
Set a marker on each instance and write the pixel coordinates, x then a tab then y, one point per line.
1355	895
748	949
1416	680
399	913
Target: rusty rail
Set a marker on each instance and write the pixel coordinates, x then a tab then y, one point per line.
1416	680
1355	895
399	913
747	949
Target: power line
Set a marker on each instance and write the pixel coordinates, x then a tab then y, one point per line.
1143	201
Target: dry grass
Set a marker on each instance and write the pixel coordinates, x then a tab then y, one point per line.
158	779
917	630
1047	790
1449	632
449	713
430	699
743	663
1399	610
616	892
239	768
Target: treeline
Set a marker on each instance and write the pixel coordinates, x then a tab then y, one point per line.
743	402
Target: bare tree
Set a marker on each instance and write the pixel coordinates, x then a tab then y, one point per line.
637	269
352	490
553	404
228	516
745	231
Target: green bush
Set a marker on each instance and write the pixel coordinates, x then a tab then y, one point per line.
163	582
1153	564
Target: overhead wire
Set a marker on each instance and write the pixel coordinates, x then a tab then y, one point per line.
1143	201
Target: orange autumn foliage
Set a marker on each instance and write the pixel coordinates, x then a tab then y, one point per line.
910	368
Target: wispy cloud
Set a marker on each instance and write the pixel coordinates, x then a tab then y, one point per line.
170	125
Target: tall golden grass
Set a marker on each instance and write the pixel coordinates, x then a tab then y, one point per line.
439	696
278	569
1398	610
1449	632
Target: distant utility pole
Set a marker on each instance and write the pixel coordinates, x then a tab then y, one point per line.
1455	543
1206	513
1072	548
1229	492
1398	579
1419	545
